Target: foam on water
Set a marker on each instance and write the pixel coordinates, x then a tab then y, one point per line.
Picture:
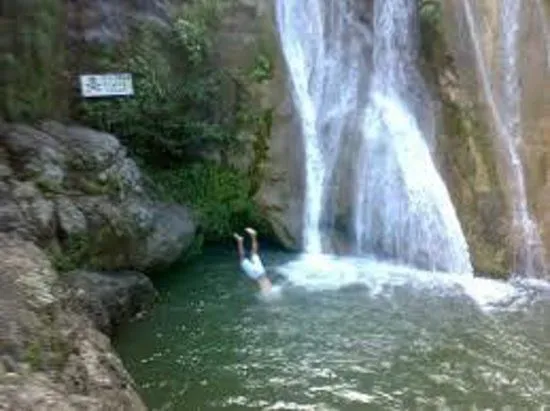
324	272
274	294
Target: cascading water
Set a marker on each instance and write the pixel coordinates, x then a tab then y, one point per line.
322	59
502	92
511	108
401	207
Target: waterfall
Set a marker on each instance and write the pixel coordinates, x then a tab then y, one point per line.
510	15
503	95
403	208
352	88
322	58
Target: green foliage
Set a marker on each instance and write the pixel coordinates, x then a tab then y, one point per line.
265	53
74	254
219	195
262	124
33	355
32	60
262	69
48	187
431	30
180	109
177	102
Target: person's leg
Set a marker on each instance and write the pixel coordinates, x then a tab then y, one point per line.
254	251
240	247
254	237
263	281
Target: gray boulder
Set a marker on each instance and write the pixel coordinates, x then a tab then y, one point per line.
109	298
64	184
172	232
52	358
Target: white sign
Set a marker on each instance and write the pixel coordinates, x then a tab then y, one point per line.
102	85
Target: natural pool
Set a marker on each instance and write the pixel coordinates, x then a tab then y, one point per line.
342	334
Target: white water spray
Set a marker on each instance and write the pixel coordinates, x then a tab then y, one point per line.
403	208
321	55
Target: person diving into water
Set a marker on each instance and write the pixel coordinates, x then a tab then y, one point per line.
253	266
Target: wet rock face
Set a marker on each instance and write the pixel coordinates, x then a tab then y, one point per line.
486	180
64	182
52	358
274	154
469	167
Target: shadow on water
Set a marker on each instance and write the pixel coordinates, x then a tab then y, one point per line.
211	343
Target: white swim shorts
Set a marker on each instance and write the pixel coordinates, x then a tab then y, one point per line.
253	266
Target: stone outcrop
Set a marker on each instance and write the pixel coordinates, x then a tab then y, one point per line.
247	38
51	357
76	189
75	193
109	299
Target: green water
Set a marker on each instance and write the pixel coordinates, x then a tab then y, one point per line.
213	344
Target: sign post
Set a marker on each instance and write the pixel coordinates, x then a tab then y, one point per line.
106	85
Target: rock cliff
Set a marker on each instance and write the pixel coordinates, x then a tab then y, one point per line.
75	189
495	103
274	148
51	356
72	197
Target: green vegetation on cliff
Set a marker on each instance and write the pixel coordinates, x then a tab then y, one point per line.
32	60
466	155
431	31
186	120
177	107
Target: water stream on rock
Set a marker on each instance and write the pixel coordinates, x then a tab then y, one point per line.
503	95
322	47
355	91
543	14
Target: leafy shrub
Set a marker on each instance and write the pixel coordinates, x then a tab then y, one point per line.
72	255
176	105
432	42
262	69
220	196
180	109
32	60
